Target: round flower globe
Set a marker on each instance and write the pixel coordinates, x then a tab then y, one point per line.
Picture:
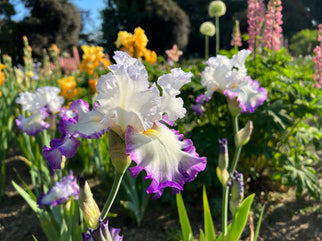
208	28
217	9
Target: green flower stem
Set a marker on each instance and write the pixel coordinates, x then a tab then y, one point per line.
111	197
206	47
225	195
224	210
217	35
238	149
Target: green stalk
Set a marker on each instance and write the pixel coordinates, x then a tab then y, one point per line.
224	210
217	35
238	149
111	197
206	47
225	195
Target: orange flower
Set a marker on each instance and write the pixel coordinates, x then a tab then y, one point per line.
2	66
92	85
54	48
68	87
150	56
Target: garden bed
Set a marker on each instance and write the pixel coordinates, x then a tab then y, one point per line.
285	218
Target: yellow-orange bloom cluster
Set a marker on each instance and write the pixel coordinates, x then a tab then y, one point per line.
2	66
68	87
92	57
92	85
135	45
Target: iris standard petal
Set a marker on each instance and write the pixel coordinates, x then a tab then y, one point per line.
171	84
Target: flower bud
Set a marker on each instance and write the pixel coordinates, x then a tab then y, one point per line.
217	9
117	148
223	160
223	154
88	205
243	135
208	28
236	185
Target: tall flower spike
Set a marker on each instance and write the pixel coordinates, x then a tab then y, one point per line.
317	76
255	20
229	77
273	29
137	113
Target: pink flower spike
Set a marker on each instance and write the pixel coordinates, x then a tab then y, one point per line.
273	29
255	20
317	76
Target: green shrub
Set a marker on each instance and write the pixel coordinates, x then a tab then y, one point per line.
304	42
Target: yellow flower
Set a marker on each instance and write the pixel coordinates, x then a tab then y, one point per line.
124	39
54	48
92	85
150	56
140	39
68	87
2	66
91	58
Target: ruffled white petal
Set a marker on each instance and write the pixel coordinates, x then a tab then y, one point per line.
171	84
126	101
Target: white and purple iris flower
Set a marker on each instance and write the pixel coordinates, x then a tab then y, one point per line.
42	104
199	108
135	110
102	232
61	192
229	77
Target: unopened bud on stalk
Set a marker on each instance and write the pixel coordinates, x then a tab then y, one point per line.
223	160
217	9
236	185
243	135
117	149
88	205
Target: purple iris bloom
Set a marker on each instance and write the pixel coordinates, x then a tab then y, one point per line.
61	192
102	233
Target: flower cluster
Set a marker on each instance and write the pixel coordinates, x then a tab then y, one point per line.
273	29
208	29
255	20
135	45
68	87
70	64
2	66
61	192
45	102
229	77
236	37
128	106
92	57
173	54
217	8
318	60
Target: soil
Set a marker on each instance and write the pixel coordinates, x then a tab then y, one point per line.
285	218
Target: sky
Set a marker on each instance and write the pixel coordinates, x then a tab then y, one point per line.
94	6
